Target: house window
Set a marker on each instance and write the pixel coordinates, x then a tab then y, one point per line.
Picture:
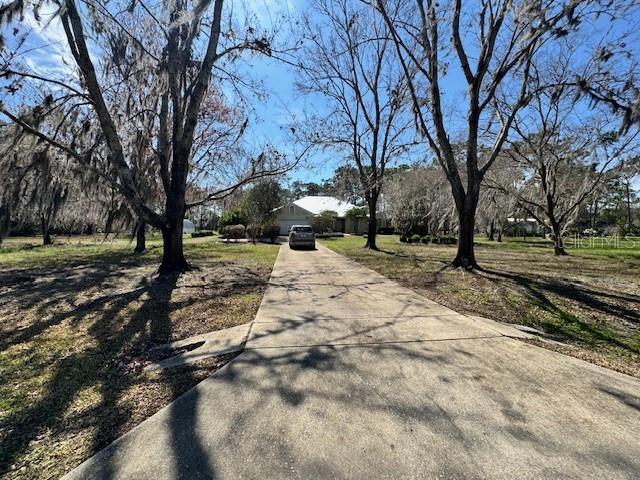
291	209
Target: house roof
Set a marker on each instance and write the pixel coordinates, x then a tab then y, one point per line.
320	203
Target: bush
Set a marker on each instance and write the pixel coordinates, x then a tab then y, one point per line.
426	239
403	238
235	216
623	229
415	238
323	222
202	233
357	212
233	232
253	231
329	235
271	231
445	240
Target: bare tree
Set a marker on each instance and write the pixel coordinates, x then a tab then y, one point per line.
626	173
346	58
417	198
564	156
494	50
173	49
498	200
51	189
38	181
16	163
496	205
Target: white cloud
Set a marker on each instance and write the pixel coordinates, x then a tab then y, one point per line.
47	46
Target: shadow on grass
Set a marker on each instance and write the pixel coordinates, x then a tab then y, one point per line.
105	364
626	307
44	287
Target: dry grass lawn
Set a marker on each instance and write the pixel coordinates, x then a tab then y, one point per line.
78	320
589	300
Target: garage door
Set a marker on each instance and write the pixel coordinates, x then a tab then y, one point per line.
285	225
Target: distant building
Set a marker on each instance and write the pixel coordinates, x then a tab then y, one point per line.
188	227
530	226
303	210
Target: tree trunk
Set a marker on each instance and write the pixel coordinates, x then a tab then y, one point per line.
372	230
46	234
491	228
500	233
465	257
558	243
5	222
628	206
466	205
173	260
141	237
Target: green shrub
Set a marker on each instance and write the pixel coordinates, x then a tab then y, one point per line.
426	239
403	239
202	233
233	232
622	229
330	235
323	222
415	238
448	240
235	216
271	231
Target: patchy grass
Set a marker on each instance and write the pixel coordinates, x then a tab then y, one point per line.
589	300
78	320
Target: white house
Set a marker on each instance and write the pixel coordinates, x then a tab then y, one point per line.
303	210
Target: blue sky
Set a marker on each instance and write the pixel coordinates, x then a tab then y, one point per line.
271	118
46	53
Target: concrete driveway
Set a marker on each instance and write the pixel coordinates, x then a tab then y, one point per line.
349	375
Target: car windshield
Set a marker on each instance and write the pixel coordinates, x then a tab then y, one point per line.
303	229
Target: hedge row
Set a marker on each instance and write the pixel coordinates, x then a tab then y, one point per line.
202	233
438	239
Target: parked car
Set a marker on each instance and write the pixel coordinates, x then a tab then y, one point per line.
301	236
